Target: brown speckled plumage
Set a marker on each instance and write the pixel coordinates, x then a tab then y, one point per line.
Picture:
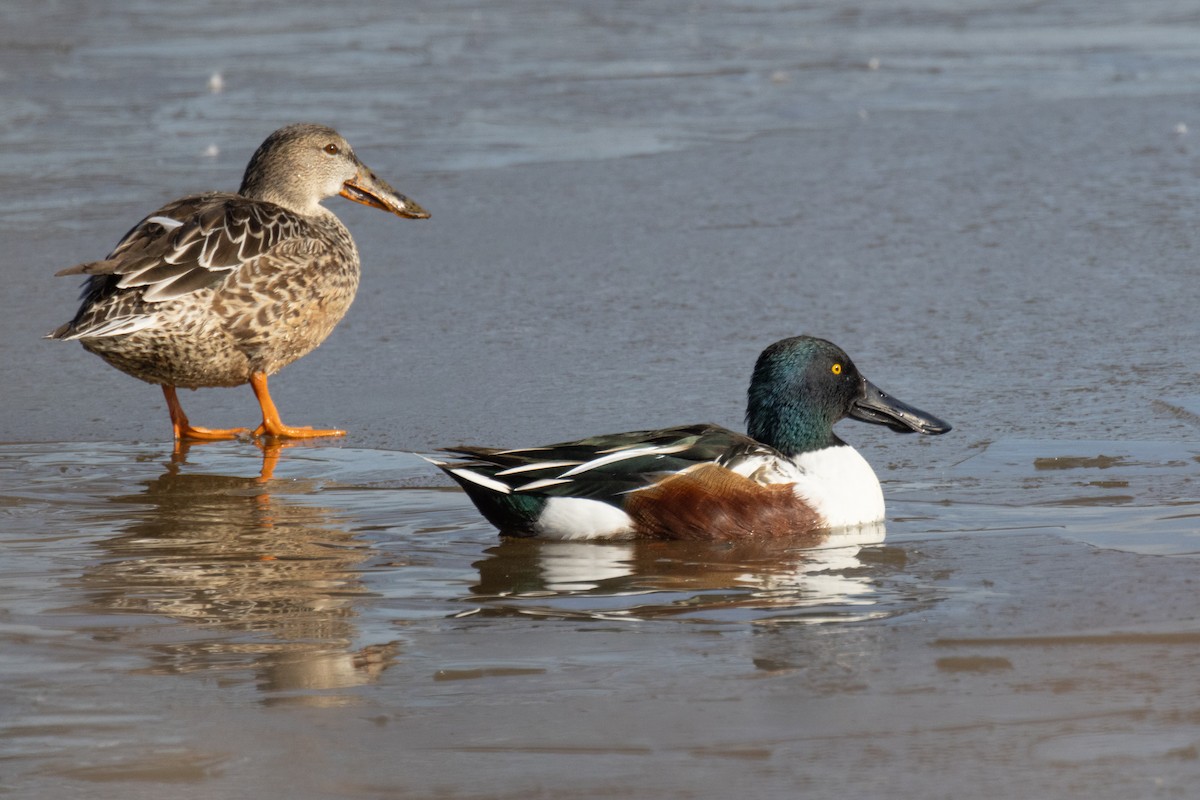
217	288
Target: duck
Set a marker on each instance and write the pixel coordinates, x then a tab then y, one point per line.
789	475
222	289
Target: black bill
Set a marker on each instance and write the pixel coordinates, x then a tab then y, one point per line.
877	407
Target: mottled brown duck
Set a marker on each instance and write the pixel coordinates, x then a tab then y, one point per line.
222	289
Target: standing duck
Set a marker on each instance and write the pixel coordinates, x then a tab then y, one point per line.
790	476
223	289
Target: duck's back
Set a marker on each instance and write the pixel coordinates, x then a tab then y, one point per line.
691	482
213	287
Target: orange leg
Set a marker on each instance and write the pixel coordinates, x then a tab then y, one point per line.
185	431
272	425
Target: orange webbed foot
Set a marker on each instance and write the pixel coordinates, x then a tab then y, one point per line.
190	433
185	431
272	425
281	431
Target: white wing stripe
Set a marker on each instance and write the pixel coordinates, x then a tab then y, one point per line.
542	484
623	455
537	465
482	480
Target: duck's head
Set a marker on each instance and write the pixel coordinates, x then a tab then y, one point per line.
300	165
801	386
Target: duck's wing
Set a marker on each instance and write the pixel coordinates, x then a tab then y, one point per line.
603	467
183	247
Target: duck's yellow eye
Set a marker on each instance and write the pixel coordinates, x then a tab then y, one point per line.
332	149
837	369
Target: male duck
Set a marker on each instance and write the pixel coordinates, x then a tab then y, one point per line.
223	289
791	475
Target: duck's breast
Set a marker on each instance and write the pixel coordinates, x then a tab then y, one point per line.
840	485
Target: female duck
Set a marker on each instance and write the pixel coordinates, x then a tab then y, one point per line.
792	475
223	289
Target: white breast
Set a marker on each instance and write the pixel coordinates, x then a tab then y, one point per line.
841	486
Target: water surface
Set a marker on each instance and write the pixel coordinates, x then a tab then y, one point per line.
176	619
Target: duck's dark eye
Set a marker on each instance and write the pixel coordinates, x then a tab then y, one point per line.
836	369
332	149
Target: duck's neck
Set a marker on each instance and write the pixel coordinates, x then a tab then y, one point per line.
303	205
789	426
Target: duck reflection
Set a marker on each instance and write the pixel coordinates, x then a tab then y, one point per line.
267	582
818	577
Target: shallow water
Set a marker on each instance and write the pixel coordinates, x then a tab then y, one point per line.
344	629
992	209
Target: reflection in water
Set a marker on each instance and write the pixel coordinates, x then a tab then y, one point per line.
652	579
266	582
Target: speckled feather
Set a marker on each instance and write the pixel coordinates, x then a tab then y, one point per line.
221	289
240	286
215	287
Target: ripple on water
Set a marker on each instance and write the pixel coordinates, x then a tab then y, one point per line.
338	540
298	577
302	578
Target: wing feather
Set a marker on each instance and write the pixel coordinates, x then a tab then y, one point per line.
184	247
609	467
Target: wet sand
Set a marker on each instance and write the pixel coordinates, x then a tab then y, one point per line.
992	210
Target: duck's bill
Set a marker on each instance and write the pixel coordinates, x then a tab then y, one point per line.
372	191
878	407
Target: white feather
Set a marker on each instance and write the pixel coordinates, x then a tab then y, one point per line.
577	518
166	222
119	326
840	485
482	480
541	484
536	465
766	469
622	455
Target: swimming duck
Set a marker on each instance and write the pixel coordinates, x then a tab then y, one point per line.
790	476
223	289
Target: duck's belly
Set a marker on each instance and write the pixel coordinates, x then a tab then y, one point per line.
176	357
220	340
